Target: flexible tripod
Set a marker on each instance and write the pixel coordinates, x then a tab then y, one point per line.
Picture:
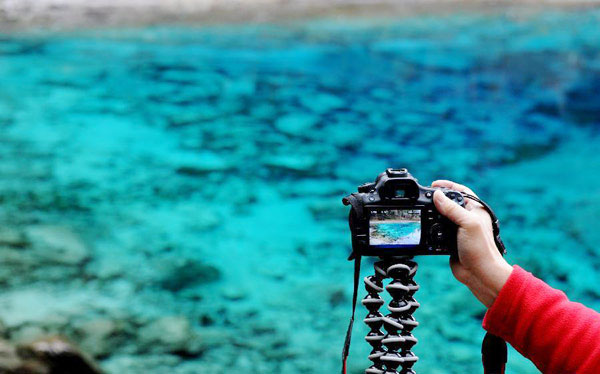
391	353
392	350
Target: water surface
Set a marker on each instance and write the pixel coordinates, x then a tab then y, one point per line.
200	172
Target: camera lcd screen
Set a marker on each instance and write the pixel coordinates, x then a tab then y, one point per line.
395	228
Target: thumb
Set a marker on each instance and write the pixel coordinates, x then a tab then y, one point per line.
452	210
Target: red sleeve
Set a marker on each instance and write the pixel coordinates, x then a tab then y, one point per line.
557	335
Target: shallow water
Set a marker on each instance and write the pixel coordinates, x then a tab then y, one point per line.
171	197
408	233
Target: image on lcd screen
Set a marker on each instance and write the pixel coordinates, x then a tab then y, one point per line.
395	227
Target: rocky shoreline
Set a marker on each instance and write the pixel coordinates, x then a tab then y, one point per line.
74	14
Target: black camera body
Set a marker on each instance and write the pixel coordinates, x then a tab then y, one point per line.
395	216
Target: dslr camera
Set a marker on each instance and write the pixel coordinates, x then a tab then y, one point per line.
395	216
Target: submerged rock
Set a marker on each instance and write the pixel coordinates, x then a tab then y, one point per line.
296	124
58	244
293	163
10	362
188	273
165	334
201	164
173	334
581	102
100	337
27	333
234	293
12	237
322	102
52	355
58	356
41	252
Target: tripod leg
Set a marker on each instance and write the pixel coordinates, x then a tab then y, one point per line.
399	322
374	319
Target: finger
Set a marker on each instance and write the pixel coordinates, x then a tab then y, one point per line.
469	205
453	186
452	210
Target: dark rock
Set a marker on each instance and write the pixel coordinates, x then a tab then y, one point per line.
188	273
202	164
55	356
234	294
12	237
581	100
546	107
337	297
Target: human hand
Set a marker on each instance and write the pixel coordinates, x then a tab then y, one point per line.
479	265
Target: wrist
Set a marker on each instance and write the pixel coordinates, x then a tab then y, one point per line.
490	280
497	277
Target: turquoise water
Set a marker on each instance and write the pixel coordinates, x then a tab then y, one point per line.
397	233
171	196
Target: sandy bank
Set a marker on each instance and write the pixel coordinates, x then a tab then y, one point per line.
67	14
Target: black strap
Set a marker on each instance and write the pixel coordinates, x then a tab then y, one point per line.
346	350
493	349
495	222
355	203
355	213
493	354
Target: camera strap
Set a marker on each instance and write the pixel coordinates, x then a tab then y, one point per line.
346	349
493	354
495	221
356	211
493	349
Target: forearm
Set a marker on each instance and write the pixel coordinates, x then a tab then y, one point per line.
557	335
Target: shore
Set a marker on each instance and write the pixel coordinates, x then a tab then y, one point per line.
74	14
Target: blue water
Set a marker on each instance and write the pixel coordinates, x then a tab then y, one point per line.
171	196
398	233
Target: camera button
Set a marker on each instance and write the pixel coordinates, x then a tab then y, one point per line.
436	233
428	194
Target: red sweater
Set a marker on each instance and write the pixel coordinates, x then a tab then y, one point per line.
557	335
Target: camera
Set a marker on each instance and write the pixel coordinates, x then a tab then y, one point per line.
395	216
